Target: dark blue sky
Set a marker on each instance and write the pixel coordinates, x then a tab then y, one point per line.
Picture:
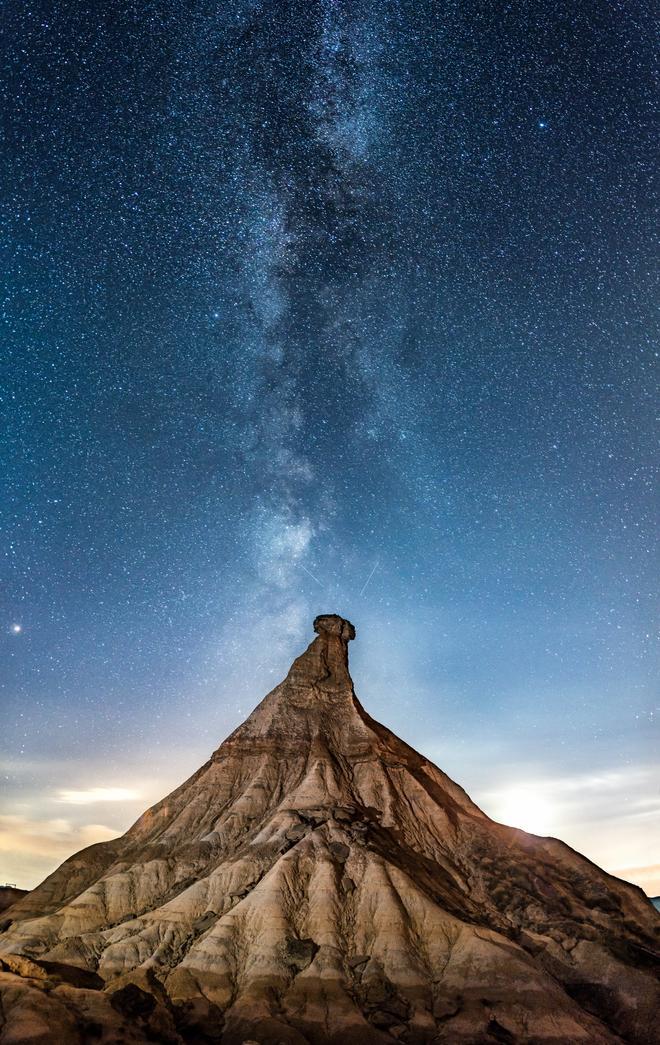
329	307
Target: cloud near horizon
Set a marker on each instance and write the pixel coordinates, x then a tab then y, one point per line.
98	794
648	878
31	849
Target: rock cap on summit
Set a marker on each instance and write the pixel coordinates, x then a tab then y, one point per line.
334	625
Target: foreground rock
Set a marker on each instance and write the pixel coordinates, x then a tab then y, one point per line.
319	881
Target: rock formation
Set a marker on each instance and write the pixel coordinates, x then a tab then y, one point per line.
9	894
319	881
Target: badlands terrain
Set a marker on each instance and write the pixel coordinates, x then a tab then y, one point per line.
318	881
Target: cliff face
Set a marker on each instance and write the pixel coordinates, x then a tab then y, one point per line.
319	881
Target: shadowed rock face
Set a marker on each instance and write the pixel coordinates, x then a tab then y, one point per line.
9	894
319	881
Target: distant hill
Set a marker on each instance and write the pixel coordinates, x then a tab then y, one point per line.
655	900
9	894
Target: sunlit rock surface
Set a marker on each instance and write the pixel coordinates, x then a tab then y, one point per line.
319	881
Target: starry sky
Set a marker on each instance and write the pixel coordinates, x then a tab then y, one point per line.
329	307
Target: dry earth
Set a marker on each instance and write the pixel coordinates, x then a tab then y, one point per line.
319	881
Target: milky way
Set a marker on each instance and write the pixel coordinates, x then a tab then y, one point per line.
328	307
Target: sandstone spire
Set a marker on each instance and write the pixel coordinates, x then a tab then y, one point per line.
317	880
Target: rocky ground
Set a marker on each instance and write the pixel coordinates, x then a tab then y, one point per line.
319	881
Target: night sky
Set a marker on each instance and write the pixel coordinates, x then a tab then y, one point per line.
316	307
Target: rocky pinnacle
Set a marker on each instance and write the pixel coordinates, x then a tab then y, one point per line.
319	881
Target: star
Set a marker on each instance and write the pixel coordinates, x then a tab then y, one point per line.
16	629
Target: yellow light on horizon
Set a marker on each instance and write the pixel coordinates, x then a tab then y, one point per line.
526	810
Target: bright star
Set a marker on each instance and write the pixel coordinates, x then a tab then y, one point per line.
16	629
